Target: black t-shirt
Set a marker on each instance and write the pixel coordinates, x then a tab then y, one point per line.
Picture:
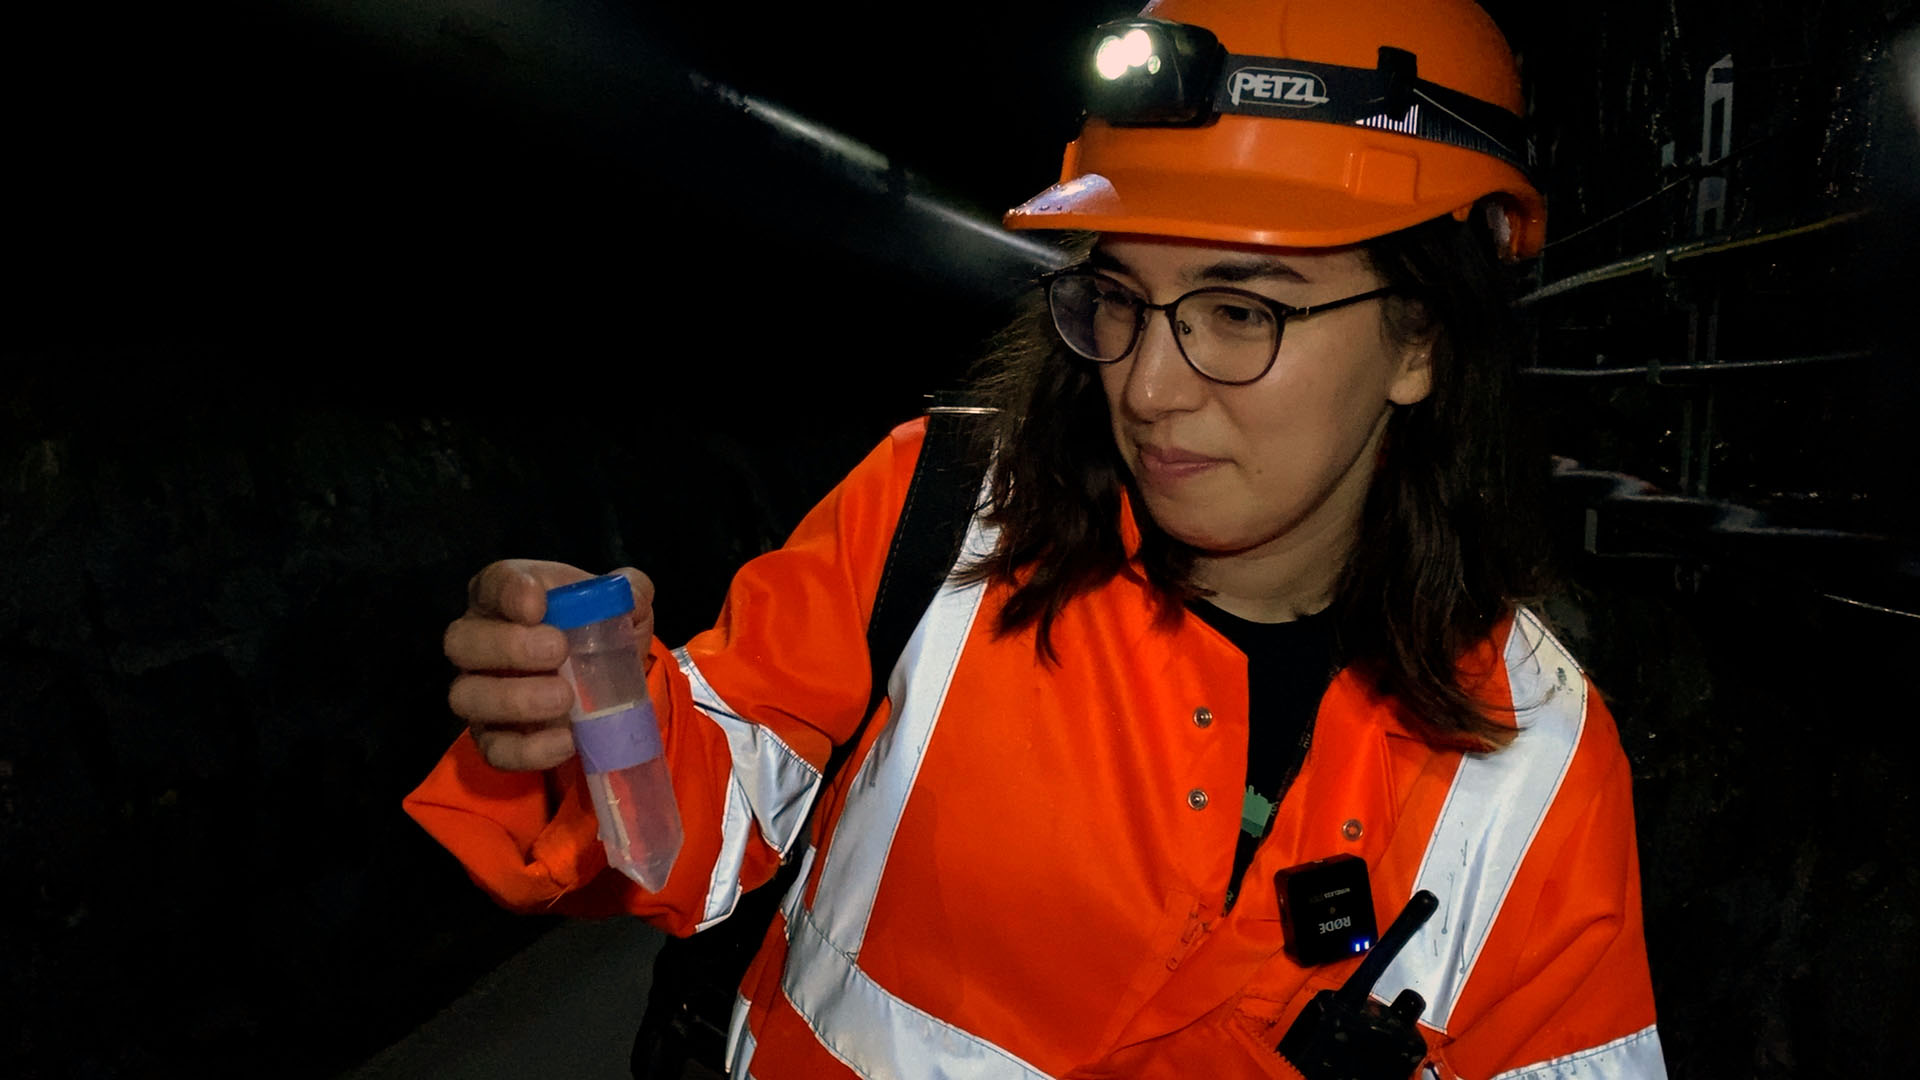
1289	665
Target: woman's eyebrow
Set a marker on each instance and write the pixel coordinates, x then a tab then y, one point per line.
1239	270
1231	271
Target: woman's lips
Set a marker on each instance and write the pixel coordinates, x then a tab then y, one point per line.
1165	464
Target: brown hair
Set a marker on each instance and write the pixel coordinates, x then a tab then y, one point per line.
1448	539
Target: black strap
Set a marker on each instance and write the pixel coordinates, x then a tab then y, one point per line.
1391	97
694	979
927	539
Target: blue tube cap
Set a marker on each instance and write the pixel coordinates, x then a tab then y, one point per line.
589	601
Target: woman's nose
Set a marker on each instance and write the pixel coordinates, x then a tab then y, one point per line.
1159	379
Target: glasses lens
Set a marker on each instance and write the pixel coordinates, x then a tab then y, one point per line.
1096	316
1227	336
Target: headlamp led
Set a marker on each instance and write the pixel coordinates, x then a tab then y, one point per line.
1151	71
1160	73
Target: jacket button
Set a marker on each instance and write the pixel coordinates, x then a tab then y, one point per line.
1351	830
1202	716
1197	799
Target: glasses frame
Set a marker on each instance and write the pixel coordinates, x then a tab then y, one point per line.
1144	307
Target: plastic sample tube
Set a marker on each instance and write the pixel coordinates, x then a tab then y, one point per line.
614	728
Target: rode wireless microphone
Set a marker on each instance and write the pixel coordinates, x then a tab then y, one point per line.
1326	909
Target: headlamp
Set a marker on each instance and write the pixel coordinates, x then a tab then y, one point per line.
1151	71
1157	73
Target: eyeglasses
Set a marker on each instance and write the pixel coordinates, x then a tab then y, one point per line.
1228	335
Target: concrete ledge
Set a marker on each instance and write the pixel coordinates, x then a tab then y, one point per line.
567	1005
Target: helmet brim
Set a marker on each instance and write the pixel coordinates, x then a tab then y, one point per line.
1331	187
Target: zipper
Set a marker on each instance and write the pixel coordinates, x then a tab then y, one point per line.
1294	764
1190	938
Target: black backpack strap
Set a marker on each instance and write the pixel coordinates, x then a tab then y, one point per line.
695	979
941	501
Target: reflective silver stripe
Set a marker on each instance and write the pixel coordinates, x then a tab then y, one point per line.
1488	822
740	1040
877	1035
790	903
918	689
874	1033
740	1043
769	787
1634	1057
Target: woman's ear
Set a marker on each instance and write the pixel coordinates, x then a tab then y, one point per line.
1413	380
1411	333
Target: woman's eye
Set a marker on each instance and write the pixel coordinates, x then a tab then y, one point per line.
1241	316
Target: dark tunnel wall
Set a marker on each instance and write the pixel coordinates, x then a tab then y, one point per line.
1758	697
309	325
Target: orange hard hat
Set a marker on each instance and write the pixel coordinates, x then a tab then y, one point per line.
1319	123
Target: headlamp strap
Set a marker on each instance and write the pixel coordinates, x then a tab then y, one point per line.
1391	97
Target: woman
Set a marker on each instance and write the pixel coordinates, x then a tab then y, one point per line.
1260	439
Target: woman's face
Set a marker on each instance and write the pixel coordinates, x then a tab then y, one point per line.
1279	464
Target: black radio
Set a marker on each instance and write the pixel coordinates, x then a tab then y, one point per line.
1345	1035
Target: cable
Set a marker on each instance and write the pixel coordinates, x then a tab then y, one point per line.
1691	173
1616	215
1849	601
1693	249
1697	369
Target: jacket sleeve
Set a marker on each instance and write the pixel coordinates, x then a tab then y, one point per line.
1561	987
749	712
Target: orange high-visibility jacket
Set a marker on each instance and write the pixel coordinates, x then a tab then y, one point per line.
1022	870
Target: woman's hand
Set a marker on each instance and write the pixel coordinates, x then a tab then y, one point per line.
509	690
